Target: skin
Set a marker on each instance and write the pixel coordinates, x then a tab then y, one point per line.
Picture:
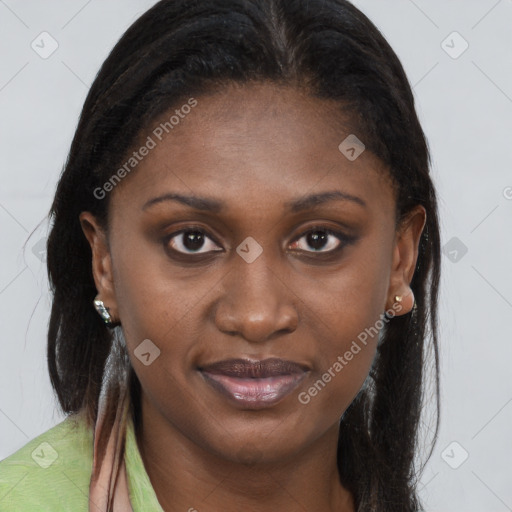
254	148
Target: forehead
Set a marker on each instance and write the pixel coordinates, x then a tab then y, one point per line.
254	143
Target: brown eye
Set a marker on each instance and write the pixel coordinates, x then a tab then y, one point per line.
319	240
191	241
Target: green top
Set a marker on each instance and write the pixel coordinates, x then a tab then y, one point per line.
52	472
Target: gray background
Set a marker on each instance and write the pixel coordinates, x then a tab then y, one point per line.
464	101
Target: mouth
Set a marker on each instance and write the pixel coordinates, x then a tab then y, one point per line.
254	384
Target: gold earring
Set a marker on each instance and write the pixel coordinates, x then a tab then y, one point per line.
398	298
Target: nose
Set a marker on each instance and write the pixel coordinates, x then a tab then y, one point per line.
257	304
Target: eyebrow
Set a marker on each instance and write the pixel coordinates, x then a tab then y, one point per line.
199	203
215	206
323	197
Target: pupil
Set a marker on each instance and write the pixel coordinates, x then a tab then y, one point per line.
193	240
317	239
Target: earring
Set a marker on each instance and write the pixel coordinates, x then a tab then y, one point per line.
398	298
103	312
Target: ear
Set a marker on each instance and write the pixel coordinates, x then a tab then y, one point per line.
405	255
101	262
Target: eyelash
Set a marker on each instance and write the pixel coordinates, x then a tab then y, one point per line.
344	240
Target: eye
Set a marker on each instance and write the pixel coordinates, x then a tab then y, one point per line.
321	240
191	241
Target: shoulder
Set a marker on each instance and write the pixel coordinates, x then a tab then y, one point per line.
50	473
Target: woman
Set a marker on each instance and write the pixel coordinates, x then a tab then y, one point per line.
244	261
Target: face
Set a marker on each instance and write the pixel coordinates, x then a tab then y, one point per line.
275	246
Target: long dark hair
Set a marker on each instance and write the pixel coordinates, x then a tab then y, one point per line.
184	48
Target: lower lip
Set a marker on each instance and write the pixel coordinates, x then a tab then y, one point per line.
254	393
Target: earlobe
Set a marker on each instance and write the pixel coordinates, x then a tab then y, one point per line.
101	263
402	304
405	255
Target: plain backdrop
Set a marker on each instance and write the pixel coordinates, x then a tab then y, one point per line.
457	55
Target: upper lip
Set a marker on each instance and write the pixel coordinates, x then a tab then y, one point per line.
245	368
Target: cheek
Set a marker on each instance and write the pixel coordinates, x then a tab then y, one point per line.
343	367
158	312
349	315
154	300
346	356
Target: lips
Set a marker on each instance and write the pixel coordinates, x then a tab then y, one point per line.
254	384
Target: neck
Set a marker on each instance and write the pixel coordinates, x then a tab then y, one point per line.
189	477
